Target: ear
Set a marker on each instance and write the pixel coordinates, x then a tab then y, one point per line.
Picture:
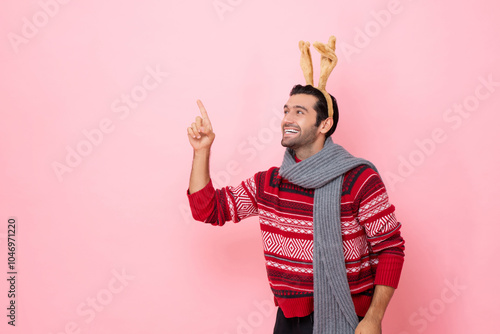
326	125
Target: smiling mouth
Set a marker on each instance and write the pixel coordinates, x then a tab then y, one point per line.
290	131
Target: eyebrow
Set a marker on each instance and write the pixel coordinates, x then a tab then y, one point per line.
296	107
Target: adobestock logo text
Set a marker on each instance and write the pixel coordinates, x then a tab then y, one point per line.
31	26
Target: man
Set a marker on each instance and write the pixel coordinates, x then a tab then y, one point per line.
322	211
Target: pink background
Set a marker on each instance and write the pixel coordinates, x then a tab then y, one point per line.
121	209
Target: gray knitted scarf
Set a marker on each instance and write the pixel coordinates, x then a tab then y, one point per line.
324	171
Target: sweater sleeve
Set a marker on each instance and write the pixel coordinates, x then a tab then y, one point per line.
376	215
216	206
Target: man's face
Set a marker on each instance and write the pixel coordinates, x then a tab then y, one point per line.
298	124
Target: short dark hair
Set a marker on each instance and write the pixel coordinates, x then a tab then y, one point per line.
321	105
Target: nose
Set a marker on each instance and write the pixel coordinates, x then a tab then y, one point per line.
288	118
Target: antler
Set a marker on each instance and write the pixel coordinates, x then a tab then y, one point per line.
306	62
328	60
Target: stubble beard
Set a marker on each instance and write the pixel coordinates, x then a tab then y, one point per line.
304	138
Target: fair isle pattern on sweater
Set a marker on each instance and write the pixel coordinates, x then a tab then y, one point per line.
372	244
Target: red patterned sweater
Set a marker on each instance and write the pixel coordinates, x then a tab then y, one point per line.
372	243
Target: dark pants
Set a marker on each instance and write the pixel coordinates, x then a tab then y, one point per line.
297	325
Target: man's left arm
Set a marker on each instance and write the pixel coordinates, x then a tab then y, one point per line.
382	229
372	322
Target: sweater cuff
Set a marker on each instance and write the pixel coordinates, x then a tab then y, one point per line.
201	202
389	270
208	188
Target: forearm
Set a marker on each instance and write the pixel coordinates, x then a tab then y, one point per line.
200	170
380	301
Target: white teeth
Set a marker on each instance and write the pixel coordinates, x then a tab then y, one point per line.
291	131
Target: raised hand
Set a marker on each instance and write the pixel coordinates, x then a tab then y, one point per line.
200	133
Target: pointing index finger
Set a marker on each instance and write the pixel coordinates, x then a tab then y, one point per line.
203	111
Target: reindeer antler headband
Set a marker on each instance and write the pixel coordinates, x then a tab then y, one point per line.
328	62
